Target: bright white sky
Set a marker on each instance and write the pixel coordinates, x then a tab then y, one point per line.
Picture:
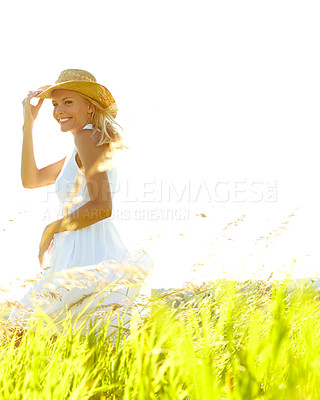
221	90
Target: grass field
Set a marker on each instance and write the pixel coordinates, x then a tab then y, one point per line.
224	341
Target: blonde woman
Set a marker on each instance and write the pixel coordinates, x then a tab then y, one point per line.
85	182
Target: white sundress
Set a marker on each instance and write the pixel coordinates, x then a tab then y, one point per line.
83	262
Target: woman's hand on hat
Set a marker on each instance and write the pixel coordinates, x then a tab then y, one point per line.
30	112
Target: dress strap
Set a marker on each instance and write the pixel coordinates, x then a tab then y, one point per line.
88	126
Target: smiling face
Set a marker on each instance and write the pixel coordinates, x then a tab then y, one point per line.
71	110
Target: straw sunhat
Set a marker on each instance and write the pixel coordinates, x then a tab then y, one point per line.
83	82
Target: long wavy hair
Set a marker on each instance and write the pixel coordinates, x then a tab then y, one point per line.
103	122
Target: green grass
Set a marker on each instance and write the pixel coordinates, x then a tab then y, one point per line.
229	342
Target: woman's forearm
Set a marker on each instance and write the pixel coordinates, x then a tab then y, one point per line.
88	214
29	168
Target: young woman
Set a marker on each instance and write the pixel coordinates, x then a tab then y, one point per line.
85	182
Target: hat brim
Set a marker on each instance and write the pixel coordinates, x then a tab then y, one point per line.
93	90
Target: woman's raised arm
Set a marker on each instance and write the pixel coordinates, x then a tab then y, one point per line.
31	176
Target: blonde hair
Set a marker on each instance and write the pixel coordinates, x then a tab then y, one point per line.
103	122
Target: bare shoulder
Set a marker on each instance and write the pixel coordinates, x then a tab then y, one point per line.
89	138
88	150
84	138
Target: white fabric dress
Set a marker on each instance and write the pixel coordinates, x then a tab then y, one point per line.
83	262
